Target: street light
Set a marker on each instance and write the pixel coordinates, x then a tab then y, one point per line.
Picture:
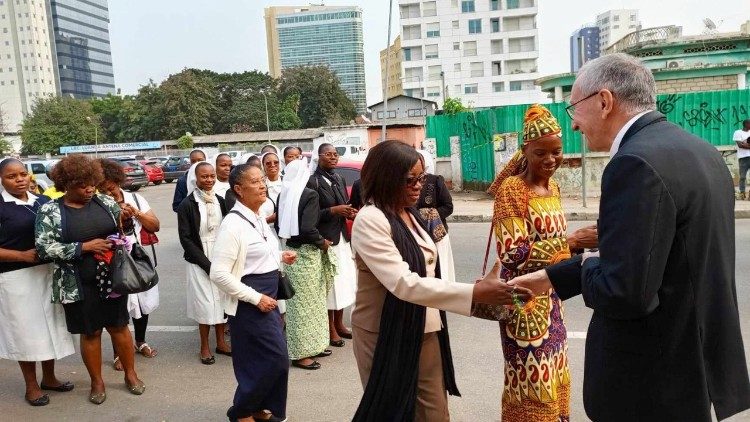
96	136
268	126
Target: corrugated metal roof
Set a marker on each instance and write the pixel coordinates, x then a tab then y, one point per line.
275	135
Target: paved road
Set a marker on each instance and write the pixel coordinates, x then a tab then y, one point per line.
180	388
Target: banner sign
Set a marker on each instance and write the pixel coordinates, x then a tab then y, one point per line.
125	146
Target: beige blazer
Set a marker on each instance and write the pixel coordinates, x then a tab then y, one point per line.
381	269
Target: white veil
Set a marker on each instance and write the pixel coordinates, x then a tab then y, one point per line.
296	176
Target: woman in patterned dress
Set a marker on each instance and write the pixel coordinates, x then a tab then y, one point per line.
530	227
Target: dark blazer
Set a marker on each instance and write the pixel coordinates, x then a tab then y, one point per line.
356	198
435	194
188	228
664	342
330	226
180	192
308	214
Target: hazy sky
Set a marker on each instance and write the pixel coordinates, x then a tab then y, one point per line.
154	38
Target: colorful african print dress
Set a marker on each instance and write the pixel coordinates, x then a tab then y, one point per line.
531	232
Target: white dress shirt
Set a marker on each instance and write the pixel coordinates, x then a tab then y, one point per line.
621	134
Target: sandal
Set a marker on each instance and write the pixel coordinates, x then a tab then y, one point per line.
208	361
117	365
146	350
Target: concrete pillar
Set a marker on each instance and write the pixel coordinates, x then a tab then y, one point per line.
456	176
741	81
559	94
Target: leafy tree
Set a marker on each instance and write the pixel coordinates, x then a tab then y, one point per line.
118	117
321	99
58	121
453	106
5	146
185	141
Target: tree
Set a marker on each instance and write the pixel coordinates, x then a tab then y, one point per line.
56	122
118	117
5	146
453	106
185	141
321	99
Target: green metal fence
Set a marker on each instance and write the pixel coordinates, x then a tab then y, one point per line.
713	116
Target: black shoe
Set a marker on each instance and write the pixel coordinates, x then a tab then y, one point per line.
276	419
311	367
337	343
208	361
39	401
222	352
324	353
62	388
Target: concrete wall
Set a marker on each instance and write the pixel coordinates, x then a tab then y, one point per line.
402	106
410	135
705	83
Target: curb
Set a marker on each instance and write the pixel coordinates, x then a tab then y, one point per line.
570	216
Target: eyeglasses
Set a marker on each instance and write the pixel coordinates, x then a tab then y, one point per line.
412	181
571	109
330	154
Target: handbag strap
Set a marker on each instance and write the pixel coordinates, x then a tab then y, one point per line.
138	205
487	252
239	214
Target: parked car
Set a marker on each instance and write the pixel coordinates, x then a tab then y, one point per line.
175	167
160	160
350	171
153	171
135	177
39	169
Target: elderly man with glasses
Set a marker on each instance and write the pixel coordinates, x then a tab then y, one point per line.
664	342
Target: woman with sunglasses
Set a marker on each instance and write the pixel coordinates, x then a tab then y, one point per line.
400	334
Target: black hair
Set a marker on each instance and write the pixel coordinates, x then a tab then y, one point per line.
263	150
321	147
291	147
746	122
113	171
201	164
7	161
254	160
386	161
197	150
220	154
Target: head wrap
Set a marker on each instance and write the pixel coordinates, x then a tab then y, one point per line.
538	123
281	161
296	177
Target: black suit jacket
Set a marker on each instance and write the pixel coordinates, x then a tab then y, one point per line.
188	228
664	342
330	226
435	194
308	213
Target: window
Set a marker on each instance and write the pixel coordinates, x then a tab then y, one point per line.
494	4
475	26
429	8
433	30
391	114
477	69
520	66
616	18
457	67
495	24
471	89
431	51
455	25
517	45
467	6
470	48
513	4
412	112
496	46
409	11
414	92
433	91
497	68
412	32
433	72
407	54
521	85
498	87
632	17
456	46
413	74
616	26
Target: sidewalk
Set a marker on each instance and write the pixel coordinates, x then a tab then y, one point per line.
476	207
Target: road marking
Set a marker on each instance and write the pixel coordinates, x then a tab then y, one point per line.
194	328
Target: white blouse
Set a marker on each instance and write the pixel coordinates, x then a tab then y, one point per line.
263	254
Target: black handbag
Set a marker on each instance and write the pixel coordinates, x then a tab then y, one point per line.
285	290
132	272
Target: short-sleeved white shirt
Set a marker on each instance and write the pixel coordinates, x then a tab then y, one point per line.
741	135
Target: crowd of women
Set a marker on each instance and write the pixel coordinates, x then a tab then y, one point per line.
282	226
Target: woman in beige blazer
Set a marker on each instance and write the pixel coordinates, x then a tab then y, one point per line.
400	331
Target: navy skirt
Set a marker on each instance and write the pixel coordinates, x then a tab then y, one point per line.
259	354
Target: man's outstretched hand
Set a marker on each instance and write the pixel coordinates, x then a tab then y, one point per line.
538	282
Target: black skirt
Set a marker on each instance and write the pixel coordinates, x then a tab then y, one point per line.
92	313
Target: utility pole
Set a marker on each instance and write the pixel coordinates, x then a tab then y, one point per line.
387	68
268	125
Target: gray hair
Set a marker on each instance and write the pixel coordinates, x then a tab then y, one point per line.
625	76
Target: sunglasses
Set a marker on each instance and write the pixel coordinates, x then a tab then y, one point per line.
412	181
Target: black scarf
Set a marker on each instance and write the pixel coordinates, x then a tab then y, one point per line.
391	391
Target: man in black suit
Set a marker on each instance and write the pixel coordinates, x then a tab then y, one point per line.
664	342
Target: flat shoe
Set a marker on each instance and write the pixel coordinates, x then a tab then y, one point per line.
324	353
337	343
345	334
208	361
62	388
98	398
311	367
137	388
39	401
223	352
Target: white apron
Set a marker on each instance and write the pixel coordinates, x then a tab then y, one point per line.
143	303
345	283
205	302
32	328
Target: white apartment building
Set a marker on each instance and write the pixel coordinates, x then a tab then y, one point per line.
615	24
27	69
482	51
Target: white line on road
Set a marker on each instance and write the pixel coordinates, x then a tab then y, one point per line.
193	328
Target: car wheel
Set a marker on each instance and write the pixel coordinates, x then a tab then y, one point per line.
168	180
158	182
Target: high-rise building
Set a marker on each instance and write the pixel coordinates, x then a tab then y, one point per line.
319	35
81	47
48	48
584	46
615	24
395	79
483	52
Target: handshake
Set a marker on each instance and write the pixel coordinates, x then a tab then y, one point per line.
492	290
